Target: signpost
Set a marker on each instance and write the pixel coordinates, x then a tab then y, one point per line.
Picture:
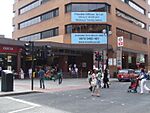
120	44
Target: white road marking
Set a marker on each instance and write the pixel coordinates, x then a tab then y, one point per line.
23	109
33	105
112	102
22	101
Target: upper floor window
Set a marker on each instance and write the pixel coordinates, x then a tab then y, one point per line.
87	7
130	19
44	34
38	19
131	36
85	28
31	6
135	6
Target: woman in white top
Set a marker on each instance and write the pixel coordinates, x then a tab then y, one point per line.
95	84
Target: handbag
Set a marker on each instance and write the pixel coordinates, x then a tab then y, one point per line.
93	82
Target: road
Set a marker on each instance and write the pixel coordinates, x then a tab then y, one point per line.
112	100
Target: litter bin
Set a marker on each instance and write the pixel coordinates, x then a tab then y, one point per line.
6	80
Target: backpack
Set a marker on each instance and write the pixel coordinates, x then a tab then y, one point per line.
143	76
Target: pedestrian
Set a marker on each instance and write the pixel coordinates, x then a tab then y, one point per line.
99	77
41	75
142	78
90	79
21	73
30	72
76	72
95	85
105	79
59	76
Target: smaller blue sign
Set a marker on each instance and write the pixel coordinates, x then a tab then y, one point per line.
88	38
88	17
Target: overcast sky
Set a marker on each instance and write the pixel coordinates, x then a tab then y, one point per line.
6	7
6	18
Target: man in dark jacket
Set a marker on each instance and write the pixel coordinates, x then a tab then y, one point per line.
105	79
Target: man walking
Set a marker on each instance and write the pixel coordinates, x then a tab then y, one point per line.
41	74
59	76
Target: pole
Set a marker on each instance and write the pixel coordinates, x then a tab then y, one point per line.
107	67
32	52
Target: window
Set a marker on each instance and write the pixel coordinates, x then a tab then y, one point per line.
87	7
144	40
131	36
38	19
31	37
41	35
50	14
85	28
130	19
49	33
31	6
135	6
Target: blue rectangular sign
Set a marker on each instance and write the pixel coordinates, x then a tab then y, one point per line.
88	38
89	17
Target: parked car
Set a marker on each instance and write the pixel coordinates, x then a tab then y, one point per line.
137	72
126	74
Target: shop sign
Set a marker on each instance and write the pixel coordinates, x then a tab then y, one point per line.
88	17
9	49
88	38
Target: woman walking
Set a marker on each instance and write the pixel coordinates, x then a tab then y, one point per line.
95	84
143	77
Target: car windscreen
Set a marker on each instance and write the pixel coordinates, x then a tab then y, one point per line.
123	71
137	71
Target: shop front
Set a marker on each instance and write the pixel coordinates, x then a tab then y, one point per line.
10	57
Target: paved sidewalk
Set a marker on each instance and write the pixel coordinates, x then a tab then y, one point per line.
24	86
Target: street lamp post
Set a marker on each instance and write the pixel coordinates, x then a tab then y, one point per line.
107	32
32	53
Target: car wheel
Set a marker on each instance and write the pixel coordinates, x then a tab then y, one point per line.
119	80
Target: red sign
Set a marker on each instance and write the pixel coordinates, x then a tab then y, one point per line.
9	49
120	41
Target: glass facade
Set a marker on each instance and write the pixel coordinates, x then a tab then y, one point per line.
135	6
38	19
41	35
130	19
131	36
31	6
87	7
85	28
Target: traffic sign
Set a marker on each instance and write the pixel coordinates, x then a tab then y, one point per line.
120	42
